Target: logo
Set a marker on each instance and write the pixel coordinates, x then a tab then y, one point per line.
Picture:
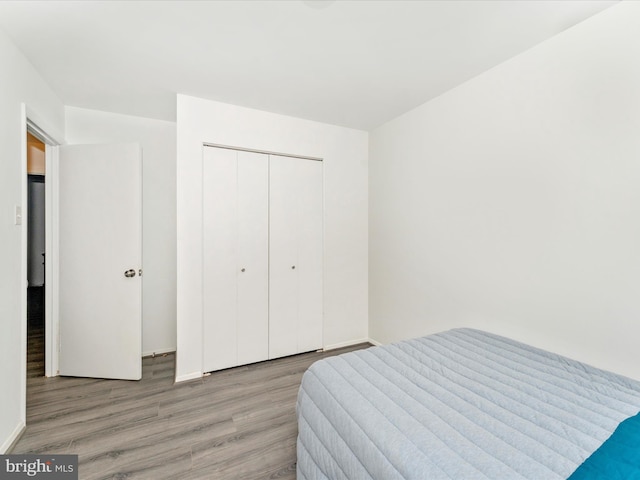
50	467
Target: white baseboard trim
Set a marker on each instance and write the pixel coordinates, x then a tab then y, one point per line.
10	442
374	342
159	352
345	344
188	376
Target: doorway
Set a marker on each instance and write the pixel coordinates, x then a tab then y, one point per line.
45	342
36	285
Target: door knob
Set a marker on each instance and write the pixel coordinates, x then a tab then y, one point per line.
293	267
242	270
130	273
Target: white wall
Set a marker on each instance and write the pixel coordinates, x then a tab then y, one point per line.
19	83
158	141
345	184
512	203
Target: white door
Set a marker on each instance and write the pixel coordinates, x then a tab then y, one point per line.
100	257
253	257
236	257
295	269
310	247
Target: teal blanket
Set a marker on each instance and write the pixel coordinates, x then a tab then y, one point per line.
618	458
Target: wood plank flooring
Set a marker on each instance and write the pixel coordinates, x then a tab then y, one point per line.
234	424
35	331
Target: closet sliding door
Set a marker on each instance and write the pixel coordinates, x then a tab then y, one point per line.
236	257
295	244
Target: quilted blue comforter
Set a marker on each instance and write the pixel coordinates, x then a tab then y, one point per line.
462	404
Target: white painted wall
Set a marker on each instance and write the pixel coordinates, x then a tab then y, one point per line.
512	203
158	141
345	185
19	83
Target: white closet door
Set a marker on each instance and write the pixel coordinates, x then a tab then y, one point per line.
220	258
236	257
253	257
283	261
295	271
310	246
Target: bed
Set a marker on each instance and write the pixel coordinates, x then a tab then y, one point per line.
463	404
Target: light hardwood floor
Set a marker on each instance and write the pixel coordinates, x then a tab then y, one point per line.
234	424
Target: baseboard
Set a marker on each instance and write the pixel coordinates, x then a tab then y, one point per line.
159	352
188	376
374	342
345	344
10	442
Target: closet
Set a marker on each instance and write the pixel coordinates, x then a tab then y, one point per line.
262	254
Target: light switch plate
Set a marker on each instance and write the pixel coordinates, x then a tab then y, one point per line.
18	217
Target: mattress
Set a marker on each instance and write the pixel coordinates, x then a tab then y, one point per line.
462	404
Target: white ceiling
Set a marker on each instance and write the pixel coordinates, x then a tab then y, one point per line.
353	63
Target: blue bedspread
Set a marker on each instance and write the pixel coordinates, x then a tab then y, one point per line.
618	458
459	405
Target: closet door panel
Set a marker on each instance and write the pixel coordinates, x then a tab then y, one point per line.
219	179
253	257
283	258
310	235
